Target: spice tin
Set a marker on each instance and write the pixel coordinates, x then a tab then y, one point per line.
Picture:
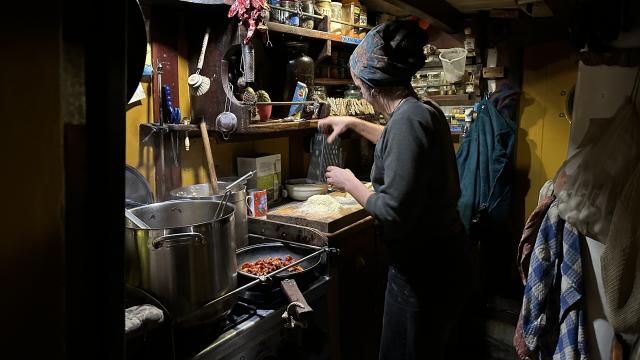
300	94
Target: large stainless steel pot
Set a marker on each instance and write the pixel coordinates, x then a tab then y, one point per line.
237	198
186	259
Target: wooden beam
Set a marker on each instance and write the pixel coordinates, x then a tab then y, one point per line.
561	9
438	13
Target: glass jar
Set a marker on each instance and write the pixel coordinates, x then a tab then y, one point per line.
352	92
277	15
291	17
336	13
307	7
323	7
321	91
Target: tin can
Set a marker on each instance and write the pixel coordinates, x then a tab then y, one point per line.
300	94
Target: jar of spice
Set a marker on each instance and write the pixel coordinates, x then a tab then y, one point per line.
291	17
352	92
277	15
323	8
307	8
336	13
321	91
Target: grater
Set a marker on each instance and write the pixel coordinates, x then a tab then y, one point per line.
323	155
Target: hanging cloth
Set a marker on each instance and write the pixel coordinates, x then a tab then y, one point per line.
589	183
552	315
621	261
484	165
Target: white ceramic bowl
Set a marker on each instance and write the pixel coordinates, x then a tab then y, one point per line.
301	190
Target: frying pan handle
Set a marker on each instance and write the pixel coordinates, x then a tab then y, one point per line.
291	290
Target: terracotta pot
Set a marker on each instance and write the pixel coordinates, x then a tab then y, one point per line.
265	112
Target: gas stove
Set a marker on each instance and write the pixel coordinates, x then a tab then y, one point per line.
254	329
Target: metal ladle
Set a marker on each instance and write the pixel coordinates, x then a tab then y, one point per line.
136	220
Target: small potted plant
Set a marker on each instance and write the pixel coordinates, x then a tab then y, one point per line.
264	110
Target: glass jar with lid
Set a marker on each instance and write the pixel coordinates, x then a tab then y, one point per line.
320	91
307	8
352	92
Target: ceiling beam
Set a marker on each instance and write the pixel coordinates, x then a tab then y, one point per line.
438	13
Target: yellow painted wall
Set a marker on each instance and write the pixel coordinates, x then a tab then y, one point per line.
193	161
543	135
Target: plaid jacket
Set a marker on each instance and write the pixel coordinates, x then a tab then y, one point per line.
552	308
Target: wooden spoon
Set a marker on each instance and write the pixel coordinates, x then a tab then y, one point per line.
207	150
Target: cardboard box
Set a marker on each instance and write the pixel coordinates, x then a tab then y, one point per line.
269	175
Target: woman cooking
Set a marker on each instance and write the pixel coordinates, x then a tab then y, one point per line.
416	190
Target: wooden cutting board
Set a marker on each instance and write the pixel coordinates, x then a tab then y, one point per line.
291	213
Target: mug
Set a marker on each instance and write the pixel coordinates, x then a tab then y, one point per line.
257	203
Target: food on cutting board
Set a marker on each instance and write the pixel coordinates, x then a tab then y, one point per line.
269	265
320	204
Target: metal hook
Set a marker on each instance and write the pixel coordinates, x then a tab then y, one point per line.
269	44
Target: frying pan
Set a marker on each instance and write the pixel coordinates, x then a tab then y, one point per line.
285	279
254	253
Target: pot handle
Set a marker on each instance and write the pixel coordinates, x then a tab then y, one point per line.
177	240
301	311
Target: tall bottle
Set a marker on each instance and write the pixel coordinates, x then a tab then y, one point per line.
300	67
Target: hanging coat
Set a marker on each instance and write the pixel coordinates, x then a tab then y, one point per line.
485	163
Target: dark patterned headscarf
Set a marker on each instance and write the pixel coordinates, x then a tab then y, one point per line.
390	54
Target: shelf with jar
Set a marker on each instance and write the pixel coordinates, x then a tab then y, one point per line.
319	19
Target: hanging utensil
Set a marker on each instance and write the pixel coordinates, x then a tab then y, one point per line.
197	83
221	205
207	150
241	179
226	121
136	220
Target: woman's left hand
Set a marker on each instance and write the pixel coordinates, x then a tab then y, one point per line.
339	178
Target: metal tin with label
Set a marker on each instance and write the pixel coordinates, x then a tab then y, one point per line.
300	94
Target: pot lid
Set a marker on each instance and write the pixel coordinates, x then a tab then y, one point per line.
137	191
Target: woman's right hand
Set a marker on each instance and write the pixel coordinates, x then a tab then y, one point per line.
337	124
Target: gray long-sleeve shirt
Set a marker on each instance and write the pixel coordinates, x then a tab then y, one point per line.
416	185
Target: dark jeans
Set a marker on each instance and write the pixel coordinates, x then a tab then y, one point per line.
417	320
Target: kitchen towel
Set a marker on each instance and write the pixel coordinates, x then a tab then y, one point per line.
552	308
136	316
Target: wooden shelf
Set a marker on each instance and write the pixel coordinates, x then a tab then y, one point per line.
326	81
271	127
315	34
253	128
453	100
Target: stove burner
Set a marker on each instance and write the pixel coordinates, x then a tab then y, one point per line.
189	341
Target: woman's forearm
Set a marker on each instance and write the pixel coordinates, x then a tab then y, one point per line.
369	131
359	191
